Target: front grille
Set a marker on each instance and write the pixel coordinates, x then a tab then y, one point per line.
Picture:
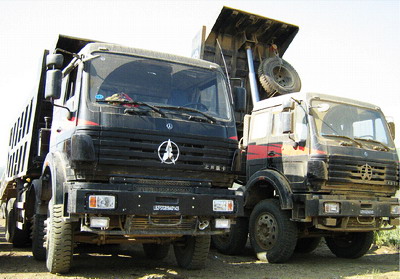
169	223
345	169
135	148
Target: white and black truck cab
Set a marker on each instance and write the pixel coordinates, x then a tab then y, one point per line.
313	165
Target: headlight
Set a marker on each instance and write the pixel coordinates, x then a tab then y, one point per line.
223	205
101	202
395	209
331	207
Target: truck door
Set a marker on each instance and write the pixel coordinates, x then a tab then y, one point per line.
288	150
257	149
62	127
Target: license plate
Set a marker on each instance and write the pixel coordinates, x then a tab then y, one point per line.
166	207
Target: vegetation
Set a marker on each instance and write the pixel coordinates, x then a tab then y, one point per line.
388	238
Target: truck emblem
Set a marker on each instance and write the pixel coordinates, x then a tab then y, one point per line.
366	172
168	152
169	126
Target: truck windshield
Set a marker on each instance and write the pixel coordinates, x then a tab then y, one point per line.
338	120
117	78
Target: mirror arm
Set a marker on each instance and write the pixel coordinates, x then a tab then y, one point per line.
69	115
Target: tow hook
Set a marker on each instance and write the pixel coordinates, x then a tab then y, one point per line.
203	225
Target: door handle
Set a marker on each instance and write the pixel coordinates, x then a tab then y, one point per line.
271	153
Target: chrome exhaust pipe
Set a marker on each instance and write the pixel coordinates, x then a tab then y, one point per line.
203	225
255	96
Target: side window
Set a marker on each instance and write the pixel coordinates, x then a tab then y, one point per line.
71	85
261	125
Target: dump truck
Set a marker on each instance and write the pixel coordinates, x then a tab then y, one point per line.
122	145
312	165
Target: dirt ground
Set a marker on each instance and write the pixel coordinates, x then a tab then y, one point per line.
130	262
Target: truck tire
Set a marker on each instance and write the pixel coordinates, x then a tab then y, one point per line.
272	235
278	77
155	251
18	238
307	245
193	253
38	234
234	242
58	241
351	246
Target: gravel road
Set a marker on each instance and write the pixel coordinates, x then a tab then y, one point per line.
128	261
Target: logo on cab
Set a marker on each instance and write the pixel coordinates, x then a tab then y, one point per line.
168	152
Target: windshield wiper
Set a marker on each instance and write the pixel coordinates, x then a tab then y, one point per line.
375	141
126	102
345	137
210	118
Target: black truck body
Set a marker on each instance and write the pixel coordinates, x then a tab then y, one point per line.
123	145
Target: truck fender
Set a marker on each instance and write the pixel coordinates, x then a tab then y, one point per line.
269	177
55	165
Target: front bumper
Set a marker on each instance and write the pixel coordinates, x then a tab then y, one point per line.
352	214
348	208
191	201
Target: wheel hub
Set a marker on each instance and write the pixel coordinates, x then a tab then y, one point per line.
282	76
266	231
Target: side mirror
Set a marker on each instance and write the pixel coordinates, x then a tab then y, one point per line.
239	99
287	122
53	84
54	63
392	129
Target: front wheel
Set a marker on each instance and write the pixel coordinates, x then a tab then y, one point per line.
352	245
272	235
233	242
59	241
193	252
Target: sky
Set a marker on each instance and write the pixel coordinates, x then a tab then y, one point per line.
345	48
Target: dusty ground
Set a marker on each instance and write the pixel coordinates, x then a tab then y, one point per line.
129	262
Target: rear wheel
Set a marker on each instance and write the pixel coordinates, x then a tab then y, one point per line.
193	252
59	241
38	234
351	245
19	238
234	242
156	251
307	245
272	235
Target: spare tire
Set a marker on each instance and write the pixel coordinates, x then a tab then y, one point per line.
278	77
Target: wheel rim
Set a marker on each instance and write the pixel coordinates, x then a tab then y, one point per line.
266	231
282	76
